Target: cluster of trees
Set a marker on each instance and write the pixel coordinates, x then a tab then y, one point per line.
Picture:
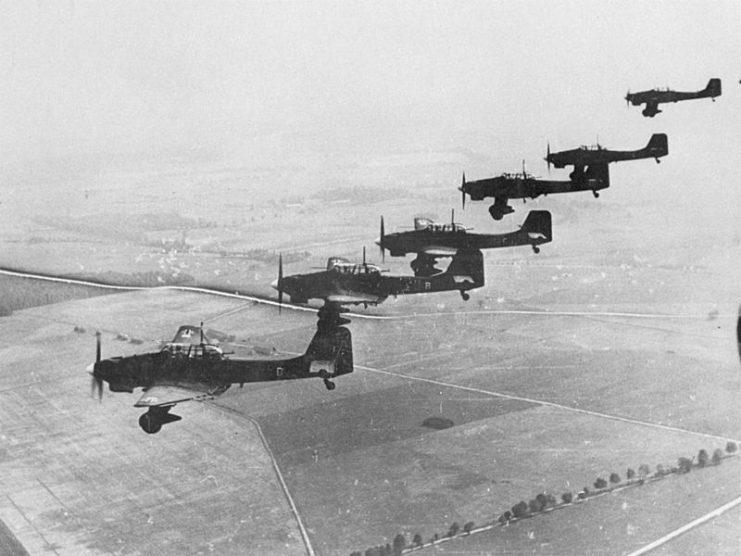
545	500
684	465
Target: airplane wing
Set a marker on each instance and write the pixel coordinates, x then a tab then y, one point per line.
438	251
158	396
350	298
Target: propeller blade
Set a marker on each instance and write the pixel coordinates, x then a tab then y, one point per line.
96	383
548	157
380	241
280	281
452	218
463	192
364	263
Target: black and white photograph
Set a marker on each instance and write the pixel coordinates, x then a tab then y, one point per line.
370	278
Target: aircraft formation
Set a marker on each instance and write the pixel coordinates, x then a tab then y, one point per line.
191	367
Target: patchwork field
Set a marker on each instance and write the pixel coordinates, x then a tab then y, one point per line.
611	348
537	403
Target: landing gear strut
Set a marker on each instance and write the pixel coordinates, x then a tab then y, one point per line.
151	422
596	194
325	376
465	295
536	249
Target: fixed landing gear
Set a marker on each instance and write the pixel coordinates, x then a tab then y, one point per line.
151	422
536	249
596	194
325	376
424	266
330	317
465	295
496	213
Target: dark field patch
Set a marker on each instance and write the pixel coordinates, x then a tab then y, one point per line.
22	293
373	418
437	423
9	545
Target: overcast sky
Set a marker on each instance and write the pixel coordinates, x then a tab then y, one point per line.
81	77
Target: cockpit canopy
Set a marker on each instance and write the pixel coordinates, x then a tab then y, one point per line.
194	351
425	224
191	342
517	176
343	266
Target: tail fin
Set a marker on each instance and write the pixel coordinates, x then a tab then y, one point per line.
713	88
658	145
330	352
467	263
600	173
538	222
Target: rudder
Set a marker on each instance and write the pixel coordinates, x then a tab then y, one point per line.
713	88
538	222
658	145
468	263
330	351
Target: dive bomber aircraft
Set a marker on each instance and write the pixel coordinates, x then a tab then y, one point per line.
192	368
347	283
654	97
431	241
524	186
584	156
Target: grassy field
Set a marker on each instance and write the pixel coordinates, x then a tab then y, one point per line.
628	520
542	397
21	293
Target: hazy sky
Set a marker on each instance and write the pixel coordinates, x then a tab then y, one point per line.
82	77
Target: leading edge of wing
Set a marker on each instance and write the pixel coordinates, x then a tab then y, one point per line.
158	396
343	299
440	251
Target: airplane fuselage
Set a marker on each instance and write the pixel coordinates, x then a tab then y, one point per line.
213	373
465	272
448	243
529	188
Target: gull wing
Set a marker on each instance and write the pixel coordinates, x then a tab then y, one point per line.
439	251
158	396
352	297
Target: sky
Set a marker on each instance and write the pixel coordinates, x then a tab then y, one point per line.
129	77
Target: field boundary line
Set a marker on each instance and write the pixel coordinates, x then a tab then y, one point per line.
550	404
278	473
263	301
687	527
